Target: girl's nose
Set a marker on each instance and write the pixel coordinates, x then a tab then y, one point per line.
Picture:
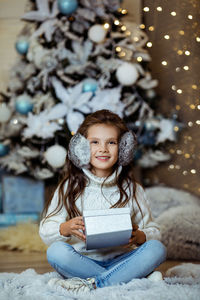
103	147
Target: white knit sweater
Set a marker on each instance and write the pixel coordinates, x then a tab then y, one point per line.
93	198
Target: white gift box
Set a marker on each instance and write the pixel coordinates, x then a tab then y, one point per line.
107	228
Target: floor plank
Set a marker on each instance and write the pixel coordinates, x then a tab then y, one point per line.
17	262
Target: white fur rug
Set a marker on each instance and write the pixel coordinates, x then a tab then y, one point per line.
32	286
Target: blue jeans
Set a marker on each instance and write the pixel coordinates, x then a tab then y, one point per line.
137	263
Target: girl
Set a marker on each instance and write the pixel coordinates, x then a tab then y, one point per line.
99	175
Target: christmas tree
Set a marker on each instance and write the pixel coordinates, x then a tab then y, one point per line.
76	57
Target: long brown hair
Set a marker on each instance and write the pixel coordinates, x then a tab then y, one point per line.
76	179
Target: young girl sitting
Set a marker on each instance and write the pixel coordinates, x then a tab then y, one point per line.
99	175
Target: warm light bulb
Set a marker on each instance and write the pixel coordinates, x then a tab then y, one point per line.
193	171
190	17
167	37
198	107
136	39
198	39
123	28
151	28
198	122
173	13
118	49
159	8
142	26
179	91
187	52
176	128
146	9
122	54
106	25
192	106
173	87
124	11
181	32
139	58
171	166
179	152
180	52
116	22
149	44
186	68
194	86
164	63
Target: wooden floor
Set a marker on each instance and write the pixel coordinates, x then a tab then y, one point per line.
15	261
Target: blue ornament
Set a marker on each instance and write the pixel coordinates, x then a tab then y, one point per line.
22	46
4	149
90	85
23	104
148	138
67	7
137	154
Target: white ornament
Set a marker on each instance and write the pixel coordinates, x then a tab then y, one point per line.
55	156
5	113
97	33
127	74
166	131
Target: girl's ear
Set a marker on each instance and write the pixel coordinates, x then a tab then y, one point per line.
127	147
79	151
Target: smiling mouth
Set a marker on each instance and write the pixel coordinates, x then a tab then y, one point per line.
103	157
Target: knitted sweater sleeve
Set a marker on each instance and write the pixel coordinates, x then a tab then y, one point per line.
145	220
49	228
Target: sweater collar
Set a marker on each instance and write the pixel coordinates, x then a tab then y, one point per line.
111	180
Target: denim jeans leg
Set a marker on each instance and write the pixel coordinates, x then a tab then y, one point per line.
69	263
136	264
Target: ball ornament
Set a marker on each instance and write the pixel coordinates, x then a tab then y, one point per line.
127	74
67	7
4	149
55	156
23	104
22	45
97	33
90	85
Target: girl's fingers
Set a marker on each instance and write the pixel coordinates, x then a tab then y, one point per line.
79	235
76	227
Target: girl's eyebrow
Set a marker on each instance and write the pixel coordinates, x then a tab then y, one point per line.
95	138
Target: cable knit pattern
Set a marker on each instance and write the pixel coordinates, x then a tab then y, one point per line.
97	197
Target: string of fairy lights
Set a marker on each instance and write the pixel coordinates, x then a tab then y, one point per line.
183	39
187	149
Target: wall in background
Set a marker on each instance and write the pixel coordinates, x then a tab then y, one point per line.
173	28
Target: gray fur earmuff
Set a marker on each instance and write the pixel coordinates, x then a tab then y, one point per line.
127	146
79	150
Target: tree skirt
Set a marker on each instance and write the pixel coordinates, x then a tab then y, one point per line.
32	286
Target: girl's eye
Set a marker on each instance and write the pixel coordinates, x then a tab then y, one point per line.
94	142
113	143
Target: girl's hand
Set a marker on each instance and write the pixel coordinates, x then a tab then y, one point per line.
73	227
138	237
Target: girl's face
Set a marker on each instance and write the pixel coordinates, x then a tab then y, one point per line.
104	148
